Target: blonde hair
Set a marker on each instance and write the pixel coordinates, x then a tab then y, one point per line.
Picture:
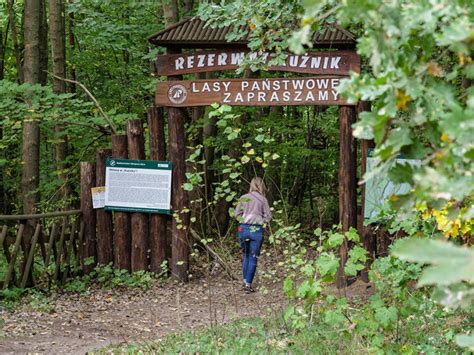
257	185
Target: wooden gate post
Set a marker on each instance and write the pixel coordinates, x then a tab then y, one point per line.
104	218
347	182
88	247
366	233
156	127
179	198
122	240
139	221
180	224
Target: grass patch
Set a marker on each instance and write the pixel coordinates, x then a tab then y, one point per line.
274	336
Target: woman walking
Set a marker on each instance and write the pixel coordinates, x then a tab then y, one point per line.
253	212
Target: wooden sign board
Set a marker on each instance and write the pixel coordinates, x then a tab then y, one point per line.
250	92
328	62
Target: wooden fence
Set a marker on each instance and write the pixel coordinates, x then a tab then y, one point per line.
130	241
40	248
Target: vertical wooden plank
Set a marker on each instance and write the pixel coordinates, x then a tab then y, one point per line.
31	255
11	265
104	218
80	238
366	233
139	221
69	250
156	126
347	182
64	226
122	239
52	238
88	247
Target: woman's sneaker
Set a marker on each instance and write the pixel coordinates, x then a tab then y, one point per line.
248	289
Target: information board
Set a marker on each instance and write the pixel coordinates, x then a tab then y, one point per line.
138	186
379	188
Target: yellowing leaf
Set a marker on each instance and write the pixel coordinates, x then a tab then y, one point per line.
402	99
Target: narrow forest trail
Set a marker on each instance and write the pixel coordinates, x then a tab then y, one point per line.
80	324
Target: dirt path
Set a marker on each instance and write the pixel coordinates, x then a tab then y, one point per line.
79	324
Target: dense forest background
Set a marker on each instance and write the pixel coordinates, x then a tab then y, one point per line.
73	72
104	47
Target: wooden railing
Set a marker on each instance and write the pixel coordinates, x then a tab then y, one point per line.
40	248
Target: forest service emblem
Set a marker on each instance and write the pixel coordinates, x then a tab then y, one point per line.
177	94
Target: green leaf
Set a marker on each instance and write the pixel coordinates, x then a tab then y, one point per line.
465	341
449	263
188	186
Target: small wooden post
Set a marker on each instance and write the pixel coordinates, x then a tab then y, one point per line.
104	218
366	233
88	247
347	182
139	221
122	240
156	126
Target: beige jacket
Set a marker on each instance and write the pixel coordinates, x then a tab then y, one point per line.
253	208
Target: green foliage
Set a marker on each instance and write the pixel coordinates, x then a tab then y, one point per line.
109	277
450	268
36	300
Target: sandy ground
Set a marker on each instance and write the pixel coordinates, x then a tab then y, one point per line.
82	323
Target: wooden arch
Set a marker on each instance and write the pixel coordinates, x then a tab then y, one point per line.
334	59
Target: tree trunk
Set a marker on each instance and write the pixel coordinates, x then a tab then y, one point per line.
3	45
31	64
43	44
72	47
170	11
139	221
347	182
188	6
58	46
16	47
58	49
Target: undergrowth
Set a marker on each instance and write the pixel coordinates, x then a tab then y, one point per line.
105	277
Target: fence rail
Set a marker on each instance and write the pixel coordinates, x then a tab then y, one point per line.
40	248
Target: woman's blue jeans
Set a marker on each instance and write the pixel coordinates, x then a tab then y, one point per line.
251	239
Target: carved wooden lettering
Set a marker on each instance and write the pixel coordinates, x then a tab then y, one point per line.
250	92
327	62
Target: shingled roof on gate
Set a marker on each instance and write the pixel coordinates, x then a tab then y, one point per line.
193	33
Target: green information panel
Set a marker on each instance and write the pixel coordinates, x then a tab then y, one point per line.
138	186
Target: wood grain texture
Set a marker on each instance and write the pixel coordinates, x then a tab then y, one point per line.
122	239
321	62
156	128
347	182
139	221
88	247
250	92
105	228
